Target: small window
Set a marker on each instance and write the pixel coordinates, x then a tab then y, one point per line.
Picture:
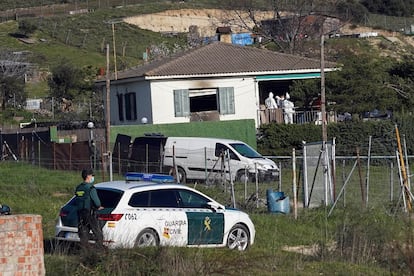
130	106
139	199
120	99
109	198
163	198
220	148
181	103
226	98
189	199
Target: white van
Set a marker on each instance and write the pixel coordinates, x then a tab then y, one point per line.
199	158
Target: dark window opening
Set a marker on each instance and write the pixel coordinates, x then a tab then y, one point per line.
203	103
120	106
130	106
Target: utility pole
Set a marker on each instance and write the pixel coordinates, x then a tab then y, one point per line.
113	42
107	107
323	99
324	154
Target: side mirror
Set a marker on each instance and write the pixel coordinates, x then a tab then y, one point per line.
215	206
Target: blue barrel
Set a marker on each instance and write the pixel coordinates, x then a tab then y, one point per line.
277	202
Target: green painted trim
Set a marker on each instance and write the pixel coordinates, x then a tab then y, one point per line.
243	130
289	76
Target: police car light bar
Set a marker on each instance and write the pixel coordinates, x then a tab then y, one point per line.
158	178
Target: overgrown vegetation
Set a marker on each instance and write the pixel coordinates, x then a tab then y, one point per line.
368	79
279	139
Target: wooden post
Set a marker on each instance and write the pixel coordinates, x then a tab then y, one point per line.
295	203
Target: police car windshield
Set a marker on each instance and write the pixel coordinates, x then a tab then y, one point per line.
246	150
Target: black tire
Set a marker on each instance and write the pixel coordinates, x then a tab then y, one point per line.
241	176
181	175
239	238
147	237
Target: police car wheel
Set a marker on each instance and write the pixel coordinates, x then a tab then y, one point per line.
239	238
147	237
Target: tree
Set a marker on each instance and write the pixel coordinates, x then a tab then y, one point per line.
359	86
402	81
70	83
390	7
26	27
362	85
13	94
65	81
13	70
286	25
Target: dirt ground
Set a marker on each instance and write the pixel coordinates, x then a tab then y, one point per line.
207	21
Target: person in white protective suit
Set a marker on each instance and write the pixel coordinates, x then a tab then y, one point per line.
270	102
271	107
288	111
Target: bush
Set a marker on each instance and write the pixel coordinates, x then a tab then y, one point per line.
279	139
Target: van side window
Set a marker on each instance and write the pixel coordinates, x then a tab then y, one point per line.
220	148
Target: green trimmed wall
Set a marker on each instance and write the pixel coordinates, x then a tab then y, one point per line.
243	130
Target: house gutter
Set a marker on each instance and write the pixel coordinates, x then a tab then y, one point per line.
259	75
308	73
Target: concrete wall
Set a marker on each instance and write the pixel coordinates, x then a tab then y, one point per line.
21	245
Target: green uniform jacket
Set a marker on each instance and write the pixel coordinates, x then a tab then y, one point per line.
87	197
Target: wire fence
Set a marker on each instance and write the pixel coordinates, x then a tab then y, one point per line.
361	181
373	177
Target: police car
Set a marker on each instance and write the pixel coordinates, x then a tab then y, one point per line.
152	210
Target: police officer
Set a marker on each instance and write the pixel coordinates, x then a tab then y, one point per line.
87	202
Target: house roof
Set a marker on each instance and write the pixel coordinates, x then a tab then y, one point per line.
223	30
224	59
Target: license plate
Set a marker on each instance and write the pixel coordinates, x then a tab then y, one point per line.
71	236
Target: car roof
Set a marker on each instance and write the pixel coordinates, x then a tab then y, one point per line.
125	185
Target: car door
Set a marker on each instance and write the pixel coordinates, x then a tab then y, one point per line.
229	158
170	220
205	226
158	210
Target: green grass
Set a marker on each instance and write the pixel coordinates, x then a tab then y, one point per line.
370	241
38	89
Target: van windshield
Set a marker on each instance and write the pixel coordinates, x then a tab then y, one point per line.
245	150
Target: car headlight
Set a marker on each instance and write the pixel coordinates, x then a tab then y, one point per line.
259	167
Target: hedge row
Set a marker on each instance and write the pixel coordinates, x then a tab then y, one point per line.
377	137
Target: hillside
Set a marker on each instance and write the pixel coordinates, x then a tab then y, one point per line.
208	20
81	38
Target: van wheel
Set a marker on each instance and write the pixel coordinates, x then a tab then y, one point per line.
242	177
181	176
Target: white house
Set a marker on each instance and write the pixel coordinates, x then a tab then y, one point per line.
218	81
